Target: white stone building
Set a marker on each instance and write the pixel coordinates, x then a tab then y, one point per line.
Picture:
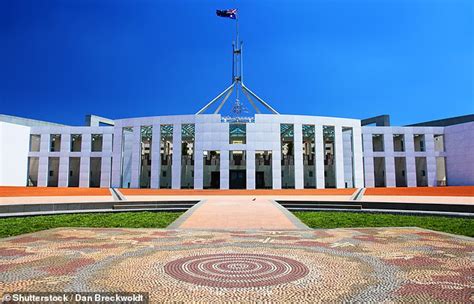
207	151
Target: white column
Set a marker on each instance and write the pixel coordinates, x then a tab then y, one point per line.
431	168
117	157
298	150
176	165
389	160
369	171
106	165
105	170
43	171
430	160
410	160
198	167
276	168
319	151
339	157
86	144
224	169
155	157
63	175
136	158
411	171
358	157
369	176
84	172
250	166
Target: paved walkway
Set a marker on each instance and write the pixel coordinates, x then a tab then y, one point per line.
389	265
239	212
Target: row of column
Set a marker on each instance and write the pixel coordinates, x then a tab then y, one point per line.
224	149
410	164
64	156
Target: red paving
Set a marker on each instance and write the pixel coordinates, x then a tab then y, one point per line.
238	213
237	192
52	191
415	191
423	191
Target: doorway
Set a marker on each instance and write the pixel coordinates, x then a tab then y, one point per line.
238	179
215	180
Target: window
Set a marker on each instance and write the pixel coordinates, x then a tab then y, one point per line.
439	142
237	133
96	142
377	142
35	142
308	156
398	142
55	143
329	156
287	135
76	142
166	152
145	155
187	155
419	140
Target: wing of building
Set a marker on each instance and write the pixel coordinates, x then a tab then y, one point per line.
270	151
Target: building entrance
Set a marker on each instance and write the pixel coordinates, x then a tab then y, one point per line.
237	179
215	180
259	180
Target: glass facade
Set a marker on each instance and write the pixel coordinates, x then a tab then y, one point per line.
309	157
187	155
211	169
237	170
145	156
329	157
237	133
263	170
166	154
287	156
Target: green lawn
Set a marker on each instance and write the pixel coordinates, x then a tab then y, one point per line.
463	226
20	225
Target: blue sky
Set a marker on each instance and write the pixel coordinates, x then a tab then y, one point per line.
63	59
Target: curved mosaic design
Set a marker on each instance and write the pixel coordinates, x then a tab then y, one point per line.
395	265
236	270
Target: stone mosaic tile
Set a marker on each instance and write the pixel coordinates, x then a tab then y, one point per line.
334	265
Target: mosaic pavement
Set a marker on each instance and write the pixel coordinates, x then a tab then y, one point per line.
350	265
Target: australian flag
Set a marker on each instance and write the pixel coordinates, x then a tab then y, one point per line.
229	13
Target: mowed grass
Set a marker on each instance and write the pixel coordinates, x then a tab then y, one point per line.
462	226
19	225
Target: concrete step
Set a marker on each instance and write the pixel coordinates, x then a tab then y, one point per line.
322	206
152	206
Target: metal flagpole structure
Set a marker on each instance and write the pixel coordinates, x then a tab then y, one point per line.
237	77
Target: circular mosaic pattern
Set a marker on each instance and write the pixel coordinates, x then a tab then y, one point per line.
236	270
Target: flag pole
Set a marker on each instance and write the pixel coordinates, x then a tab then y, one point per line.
237	53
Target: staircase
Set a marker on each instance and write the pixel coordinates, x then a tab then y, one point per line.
155	205
320	205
